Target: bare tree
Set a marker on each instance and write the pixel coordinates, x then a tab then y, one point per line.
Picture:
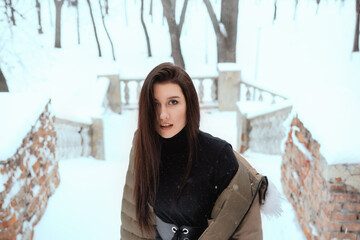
107	33
145	30
58	6
356	38
38	9
95	32
12	10
9	11
275	10
175	29
296	4
225	29
50	14
317	7
151	10
3	85
76	4
125	13
106	7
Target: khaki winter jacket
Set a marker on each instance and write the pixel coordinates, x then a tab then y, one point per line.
236	213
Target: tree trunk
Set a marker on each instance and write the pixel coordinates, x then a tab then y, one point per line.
145	30
77	20
151	10
7	11
317	6
125	13
3	85
38	8
58	6
226	29
106	7
95	32
356	38
107	33
50	13
296	4
275	10
12	12
175	30
229	17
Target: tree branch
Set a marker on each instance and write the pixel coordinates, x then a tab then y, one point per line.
182	17
213	18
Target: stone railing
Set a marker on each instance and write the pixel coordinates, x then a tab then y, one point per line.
206	87
214	91
113	96
325	197
252	92
79	139
267	131
262	131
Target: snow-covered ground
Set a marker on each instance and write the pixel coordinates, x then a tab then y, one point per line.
87	203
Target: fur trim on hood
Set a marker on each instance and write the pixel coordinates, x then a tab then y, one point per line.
272	206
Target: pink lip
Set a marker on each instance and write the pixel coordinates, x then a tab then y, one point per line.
166	127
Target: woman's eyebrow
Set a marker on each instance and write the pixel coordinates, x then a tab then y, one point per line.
173	97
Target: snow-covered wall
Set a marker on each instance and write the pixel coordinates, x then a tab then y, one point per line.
267	131
73	139
79	138
28	179
325	197
261	126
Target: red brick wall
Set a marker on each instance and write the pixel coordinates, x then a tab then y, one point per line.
32	177
326	209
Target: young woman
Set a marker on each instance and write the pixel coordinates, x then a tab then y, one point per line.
183	183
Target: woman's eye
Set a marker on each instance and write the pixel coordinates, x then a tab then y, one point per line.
173	102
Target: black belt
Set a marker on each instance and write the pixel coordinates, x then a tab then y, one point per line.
168	231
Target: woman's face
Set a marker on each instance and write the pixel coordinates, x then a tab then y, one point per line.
170	109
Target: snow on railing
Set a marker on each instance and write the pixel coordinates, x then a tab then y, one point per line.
206	87
252	92
123	93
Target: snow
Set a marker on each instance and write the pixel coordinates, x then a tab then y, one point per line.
228	67
21	111
255	109
223	29
86	205
3	180
300	145
310	60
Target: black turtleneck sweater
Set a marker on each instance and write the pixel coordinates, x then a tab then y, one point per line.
211	172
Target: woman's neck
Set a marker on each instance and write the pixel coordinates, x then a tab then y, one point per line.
176	144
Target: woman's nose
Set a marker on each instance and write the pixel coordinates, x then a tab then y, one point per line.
164	114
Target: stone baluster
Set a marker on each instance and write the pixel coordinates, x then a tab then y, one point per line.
213	90
201	90
126	89
138	89
229	78
261	99
248	94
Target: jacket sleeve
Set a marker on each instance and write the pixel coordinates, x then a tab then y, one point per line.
250	228
130	229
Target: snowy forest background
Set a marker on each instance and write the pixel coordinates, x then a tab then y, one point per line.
304	49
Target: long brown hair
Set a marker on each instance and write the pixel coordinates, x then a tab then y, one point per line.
147	144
